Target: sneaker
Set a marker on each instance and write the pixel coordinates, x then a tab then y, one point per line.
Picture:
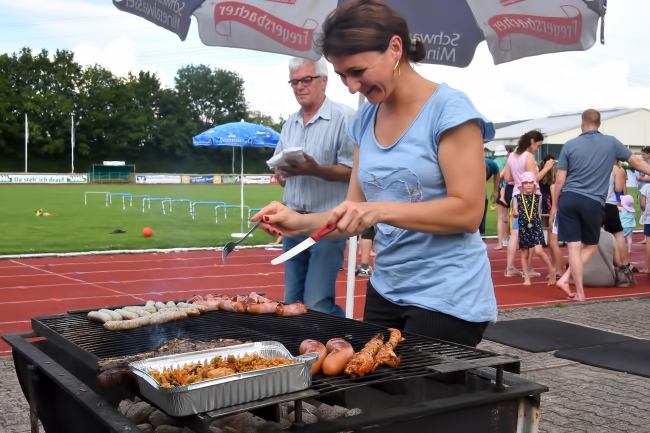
364	271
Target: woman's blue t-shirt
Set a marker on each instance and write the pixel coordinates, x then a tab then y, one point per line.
450	274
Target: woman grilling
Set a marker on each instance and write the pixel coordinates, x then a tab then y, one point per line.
432	275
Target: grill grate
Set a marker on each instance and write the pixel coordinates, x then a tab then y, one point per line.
417	352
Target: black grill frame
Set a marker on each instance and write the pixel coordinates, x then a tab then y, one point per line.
89	342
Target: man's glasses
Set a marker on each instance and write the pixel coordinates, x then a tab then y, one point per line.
306	81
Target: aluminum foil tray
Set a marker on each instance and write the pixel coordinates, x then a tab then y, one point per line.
224	391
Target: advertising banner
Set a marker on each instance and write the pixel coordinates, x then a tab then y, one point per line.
202	179
229	178
158	178
216	179
278	26
185	179
43	178
257	179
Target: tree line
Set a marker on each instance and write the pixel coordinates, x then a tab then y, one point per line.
133	119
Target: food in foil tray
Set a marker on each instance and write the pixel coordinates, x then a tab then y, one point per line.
219	367
114	370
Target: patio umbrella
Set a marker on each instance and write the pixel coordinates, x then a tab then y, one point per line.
238	134
450	29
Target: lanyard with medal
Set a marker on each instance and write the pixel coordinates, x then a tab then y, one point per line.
532	206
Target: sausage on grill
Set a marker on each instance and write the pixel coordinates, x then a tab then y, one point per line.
295	309
99	317
339	353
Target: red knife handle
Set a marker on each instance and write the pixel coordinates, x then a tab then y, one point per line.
323	231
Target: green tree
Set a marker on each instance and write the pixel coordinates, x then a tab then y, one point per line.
255	116
214	96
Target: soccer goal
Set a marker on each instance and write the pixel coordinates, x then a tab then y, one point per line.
111	172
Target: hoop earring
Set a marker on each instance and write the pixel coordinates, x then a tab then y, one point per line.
399	70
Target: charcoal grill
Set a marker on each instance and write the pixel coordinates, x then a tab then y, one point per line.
438	383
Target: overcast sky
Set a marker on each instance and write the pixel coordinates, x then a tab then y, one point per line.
610	75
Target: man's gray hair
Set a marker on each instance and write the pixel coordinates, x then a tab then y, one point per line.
321	65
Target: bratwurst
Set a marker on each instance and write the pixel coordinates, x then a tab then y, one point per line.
295	309
339	353
313	346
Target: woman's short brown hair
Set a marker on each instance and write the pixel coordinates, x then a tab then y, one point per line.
359	26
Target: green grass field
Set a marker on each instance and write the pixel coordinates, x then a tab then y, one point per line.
79	227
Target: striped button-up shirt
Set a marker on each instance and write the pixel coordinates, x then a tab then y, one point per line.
324	138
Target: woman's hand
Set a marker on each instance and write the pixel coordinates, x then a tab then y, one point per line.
549	164
279	220
353	218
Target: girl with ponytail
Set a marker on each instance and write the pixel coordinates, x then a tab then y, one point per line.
519	162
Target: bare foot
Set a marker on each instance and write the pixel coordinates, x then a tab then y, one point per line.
551	279
498	248
580	298
527	282
563	285
644	271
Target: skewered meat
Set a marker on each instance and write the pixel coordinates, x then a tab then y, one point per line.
363	361
386	355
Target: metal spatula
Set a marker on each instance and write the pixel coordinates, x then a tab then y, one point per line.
230	246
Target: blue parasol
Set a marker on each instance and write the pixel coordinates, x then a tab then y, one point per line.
238	134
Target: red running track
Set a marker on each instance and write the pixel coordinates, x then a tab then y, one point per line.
44	286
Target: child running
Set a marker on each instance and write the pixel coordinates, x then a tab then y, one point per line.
627	214
526	207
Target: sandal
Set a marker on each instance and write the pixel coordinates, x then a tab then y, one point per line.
513	272
533	274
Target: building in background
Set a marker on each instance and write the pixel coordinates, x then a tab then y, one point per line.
630	125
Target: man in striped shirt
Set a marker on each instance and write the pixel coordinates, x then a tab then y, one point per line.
318	184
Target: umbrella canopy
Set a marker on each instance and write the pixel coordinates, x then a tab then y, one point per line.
238	134
450	29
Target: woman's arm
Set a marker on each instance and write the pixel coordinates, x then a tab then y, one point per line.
619	179
315	221
551	217
515	207
460	211
559	183
531	166
507	174
643	203
495	187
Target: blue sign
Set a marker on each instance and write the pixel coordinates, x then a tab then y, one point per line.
141	179
201	179
172	15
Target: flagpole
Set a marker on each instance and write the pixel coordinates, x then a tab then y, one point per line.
26	139
72	142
